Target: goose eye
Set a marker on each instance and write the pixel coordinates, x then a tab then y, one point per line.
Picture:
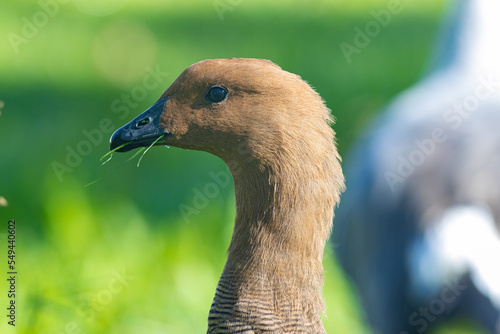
216	94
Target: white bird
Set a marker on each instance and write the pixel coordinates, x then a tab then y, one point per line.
418	227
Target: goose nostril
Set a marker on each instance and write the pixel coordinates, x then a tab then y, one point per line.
143	122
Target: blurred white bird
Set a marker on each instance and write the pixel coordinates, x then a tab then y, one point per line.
418	227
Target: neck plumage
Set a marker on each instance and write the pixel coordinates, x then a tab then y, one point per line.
273	276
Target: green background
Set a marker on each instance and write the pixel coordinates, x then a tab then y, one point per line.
118	256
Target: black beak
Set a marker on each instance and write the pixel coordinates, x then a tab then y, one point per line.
141	131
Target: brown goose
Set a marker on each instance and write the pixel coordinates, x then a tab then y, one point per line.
273	131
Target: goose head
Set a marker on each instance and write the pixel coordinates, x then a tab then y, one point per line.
231	108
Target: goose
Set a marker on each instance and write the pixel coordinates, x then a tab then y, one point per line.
418	230
273	132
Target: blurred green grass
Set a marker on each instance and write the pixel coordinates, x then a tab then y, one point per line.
118	256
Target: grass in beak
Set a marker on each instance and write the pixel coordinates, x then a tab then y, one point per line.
110	153
115	168
142	156
142	150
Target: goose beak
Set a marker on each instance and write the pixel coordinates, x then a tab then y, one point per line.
141	131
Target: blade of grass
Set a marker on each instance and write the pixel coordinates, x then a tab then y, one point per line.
105	162
110	153
95	181
142	156
115	168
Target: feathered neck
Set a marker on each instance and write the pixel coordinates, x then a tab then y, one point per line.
284	209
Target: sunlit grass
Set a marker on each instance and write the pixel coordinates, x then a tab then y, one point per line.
108	271
166	282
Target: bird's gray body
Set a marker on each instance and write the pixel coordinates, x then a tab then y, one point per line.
431	161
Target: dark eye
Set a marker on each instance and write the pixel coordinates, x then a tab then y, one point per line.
216	94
